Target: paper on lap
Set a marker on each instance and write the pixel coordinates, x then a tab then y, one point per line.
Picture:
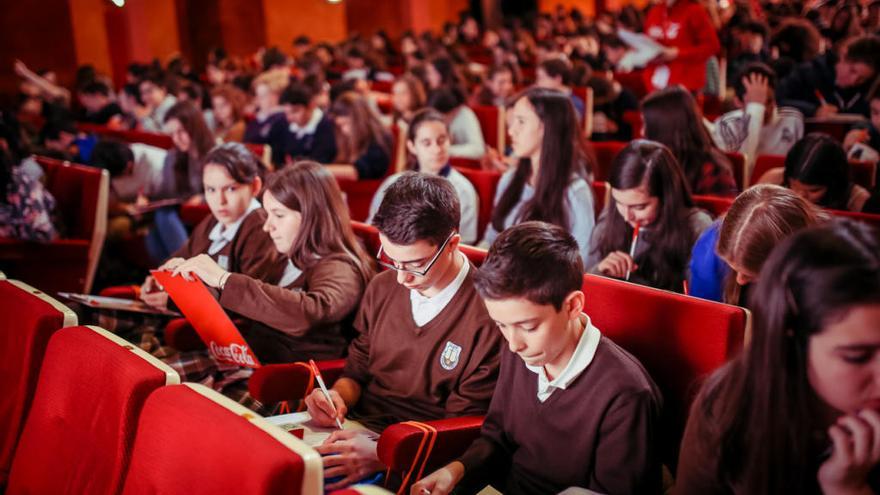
313	434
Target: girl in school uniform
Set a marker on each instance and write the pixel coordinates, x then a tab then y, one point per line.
797	411
364	146
650	193
305	313
427	140
549	183
816	168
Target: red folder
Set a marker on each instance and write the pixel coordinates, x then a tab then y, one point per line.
210	321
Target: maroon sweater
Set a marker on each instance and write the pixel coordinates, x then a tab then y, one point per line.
599	433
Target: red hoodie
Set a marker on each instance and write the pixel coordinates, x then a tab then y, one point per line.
684	25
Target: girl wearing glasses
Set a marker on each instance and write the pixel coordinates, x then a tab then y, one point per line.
301	317
428	141
649	192
549	182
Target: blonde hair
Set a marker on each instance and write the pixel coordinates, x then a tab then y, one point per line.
275	80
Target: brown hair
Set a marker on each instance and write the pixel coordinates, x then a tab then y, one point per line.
759	219
418	207
366	128
536	261
308	188
201	142
417	93
235	97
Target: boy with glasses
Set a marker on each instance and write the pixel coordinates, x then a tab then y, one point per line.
427	348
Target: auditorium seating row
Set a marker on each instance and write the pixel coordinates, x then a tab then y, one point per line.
103	416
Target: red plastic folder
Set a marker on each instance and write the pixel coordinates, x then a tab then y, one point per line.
210	321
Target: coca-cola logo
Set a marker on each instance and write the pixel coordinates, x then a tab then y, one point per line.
235	353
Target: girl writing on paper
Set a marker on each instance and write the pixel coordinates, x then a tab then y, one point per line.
650	193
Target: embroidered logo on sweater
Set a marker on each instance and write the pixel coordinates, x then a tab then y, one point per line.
449	357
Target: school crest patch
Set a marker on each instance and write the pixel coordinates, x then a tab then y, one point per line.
449	356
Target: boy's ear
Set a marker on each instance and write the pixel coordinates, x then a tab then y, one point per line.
574	304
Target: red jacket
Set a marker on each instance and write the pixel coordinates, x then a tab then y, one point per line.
686	26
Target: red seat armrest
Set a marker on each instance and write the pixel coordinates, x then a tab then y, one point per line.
399	443
180	335
290	382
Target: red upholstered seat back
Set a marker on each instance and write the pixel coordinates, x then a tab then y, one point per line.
474	254
368	234
763	164
152	138
716	205
486	183
76	189
738	163
489	117
81	427
192	440
679	339
605	152
28	318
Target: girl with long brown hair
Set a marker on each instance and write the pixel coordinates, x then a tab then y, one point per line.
797	411
364	146
671	117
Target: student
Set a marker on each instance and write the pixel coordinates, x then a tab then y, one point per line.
270	124
548	183
758	127
181	177
230	236
228	104
863	142
650	192
426	347
685	29
571	408
555	73
302	315
841	77
407	98
157	103
427	140
727	258
497	88
98	107
672	118
363	145
796	411
816	168
464	126
310	134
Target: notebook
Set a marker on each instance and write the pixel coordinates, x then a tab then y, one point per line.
116	303
204	313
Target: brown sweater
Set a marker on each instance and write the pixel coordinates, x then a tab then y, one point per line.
250	252
598	433
401	366
302	321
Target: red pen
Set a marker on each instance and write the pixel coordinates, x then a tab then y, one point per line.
821	98
632	246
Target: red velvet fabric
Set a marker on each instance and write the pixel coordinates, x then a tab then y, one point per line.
679	339
186	443
81	427
358	194
605	152
600	190
180	335
368	234
764	163
488	116
121	291
399	443
738	162
476	255
289	382
715	205
486	183
152	138
26	324
61	265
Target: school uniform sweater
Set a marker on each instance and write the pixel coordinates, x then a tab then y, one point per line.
445	368
303	320
271	129
249	251
314	141
596	433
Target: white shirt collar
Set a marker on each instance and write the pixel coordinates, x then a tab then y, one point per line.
291	273
220	236
309	128
580	360
425	309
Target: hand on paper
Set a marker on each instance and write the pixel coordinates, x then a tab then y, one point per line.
153	294
855	136
202	266
617	264
321	410
351	454
855	452
441	481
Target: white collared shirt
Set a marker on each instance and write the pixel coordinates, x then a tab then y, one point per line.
425	309
291	273
220	236
580	360
310	127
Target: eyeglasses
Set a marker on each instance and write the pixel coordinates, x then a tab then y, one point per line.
414	270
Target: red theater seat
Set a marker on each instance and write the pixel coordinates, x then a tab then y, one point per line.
738	163
716	205
290	382
66	264
152	138
193	440
492	124
28	318
862	173
486	183
679	339
601	196
79	432
605	152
